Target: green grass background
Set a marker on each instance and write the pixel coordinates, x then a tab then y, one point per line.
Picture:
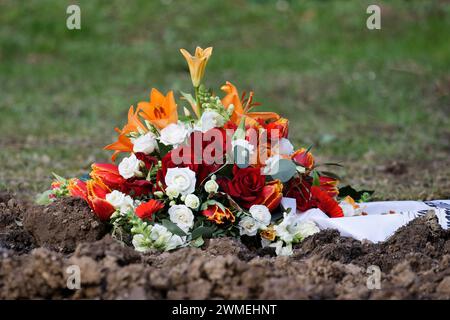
378	101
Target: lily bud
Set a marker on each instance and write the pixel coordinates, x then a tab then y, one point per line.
197	63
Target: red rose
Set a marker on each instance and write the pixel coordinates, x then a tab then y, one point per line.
324	202
218	215
137	187
245	187
146	210
148	160
203	159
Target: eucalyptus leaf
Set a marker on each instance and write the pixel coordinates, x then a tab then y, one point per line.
172	227
286	170
198	242
202	231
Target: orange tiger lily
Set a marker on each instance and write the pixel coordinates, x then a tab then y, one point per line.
240	110
160	110
123	143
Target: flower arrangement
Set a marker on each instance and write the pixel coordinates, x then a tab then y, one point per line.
220	169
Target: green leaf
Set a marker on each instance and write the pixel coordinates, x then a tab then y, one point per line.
198	242
163	149
59	178
286	170
189	98
172	227
356	195
203	231
43	198
330	174
316	178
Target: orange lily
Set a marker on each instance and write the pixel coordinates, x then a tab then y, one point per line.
197	63
123	143
240	110
160	110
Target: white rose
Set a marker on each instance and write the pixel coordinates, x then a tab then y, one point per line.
172	192
182	216
145	143
286	147
174	134
192	201
129	167
272	165
248	226
280	250
182	179
120	201
211	119
211	186
261	214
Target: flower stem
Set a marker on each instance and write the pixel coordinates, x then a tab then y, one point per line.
197	99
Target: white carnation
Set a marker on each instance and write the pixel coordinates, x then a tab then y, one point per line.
182	216
174	134
182	179
145	143
129	167
192	201
261	214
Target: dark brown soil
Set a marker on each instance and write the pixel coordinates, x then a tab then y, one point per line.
415	263
63	224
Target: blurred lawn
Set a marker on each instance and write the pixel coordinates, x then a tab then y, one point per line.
379	101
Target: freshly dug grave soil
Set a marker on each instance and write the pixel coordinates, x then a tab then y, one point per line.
414	263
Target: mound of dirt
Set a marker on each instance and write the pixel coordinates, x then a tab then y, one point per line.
12	235
63	224
414	264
